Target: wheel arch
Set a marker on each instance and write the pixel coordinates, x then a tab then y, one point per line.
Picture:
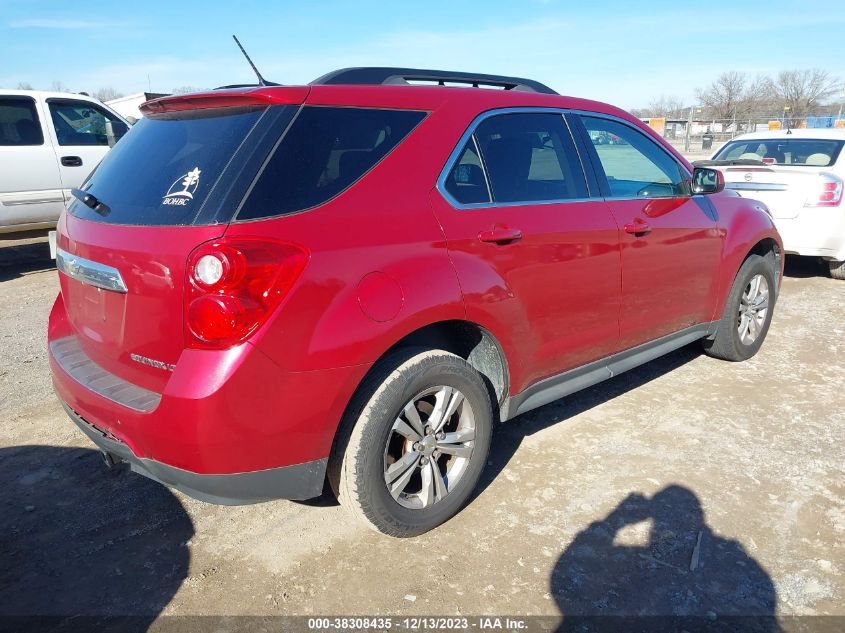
748	229
467	339
763	245
763	248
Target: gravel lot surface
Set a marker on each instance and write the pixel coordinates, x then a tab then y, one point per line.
689	485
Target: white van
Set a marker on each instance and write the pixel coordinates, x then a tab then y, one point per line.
49	143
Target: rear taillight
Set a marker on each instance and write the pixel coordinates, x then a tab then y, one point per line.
826	192
233	285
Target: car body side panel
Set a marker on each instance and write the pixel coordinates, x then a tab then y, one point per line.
380	231
669	275
552	299
743	223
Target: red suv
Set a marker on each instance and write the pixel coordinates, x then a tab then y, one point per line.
266	288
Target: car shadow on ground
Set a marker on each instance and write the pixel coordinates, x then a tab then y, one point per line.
803	267
655	564
18	259
80	545
509	435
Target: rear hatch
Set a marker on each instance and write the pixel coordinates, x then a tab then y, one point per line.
172	183
784	173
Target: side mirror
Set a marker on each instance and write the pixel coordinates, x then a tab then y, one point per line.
707	181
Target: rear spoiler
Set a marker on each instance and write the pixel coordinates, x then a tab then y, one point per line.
288	95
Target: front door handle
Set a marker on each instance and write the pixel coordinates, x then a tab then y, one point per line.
501	235
71	161
638	227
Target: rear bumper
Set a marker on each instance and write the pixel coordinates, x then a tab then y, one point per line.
300	481
229	426
816	231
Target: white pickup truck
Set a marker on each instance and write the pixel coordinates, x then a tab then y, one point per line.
800	176
49	143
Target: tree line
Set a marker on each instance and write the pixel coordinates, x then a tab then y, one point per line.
739	96
102	94
733	95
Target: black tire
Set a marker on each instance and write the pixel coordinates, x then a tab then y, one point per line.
357	468
727	343
837	269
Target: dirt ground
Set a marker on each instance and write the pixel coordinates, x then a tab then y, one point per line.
687	486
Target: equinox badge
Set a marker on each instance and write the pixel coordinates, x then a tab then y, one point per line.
152	362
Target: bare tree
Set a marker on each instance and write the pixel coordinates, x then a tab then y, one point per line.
759	97
58	86
735	95
24	85
107	94
665	106
185	89
804	91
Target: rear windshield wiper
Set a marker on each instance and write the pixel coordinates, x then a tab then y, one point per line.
91	201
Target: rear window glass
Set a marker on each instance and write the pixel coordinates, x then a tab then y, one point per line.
808	152
324	152
19	122
530	158
161	172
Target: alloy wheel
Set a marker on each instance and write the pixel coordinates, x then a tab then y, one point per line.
753	308
429	447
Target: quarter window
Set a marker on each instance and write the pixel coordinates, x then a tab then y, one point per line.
635	166
466	182
83	123
19	123
325	151
530	158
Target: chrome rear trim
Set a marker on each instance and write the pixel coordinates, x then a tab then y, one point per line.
76	363
89	272
756	186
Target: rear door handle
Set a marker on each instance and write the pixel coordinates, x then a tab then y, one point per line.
501	235
638	227
71	161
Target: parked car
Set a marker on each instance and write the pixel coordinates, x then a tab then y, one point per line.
49	143
264	289
799	175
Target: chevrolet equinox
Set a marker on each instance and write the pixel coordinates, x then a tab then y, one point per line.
264	289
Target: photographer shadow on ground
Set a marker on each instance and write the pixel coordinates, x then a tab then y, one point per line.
79	543
658	558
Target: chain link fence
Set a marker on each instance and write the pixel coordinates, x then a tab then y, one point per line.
701	137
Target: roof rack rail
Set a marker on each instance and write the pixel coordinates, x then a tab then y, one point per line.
404	76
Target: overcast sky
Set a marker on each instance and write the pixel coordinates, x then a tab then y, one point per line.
625	53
